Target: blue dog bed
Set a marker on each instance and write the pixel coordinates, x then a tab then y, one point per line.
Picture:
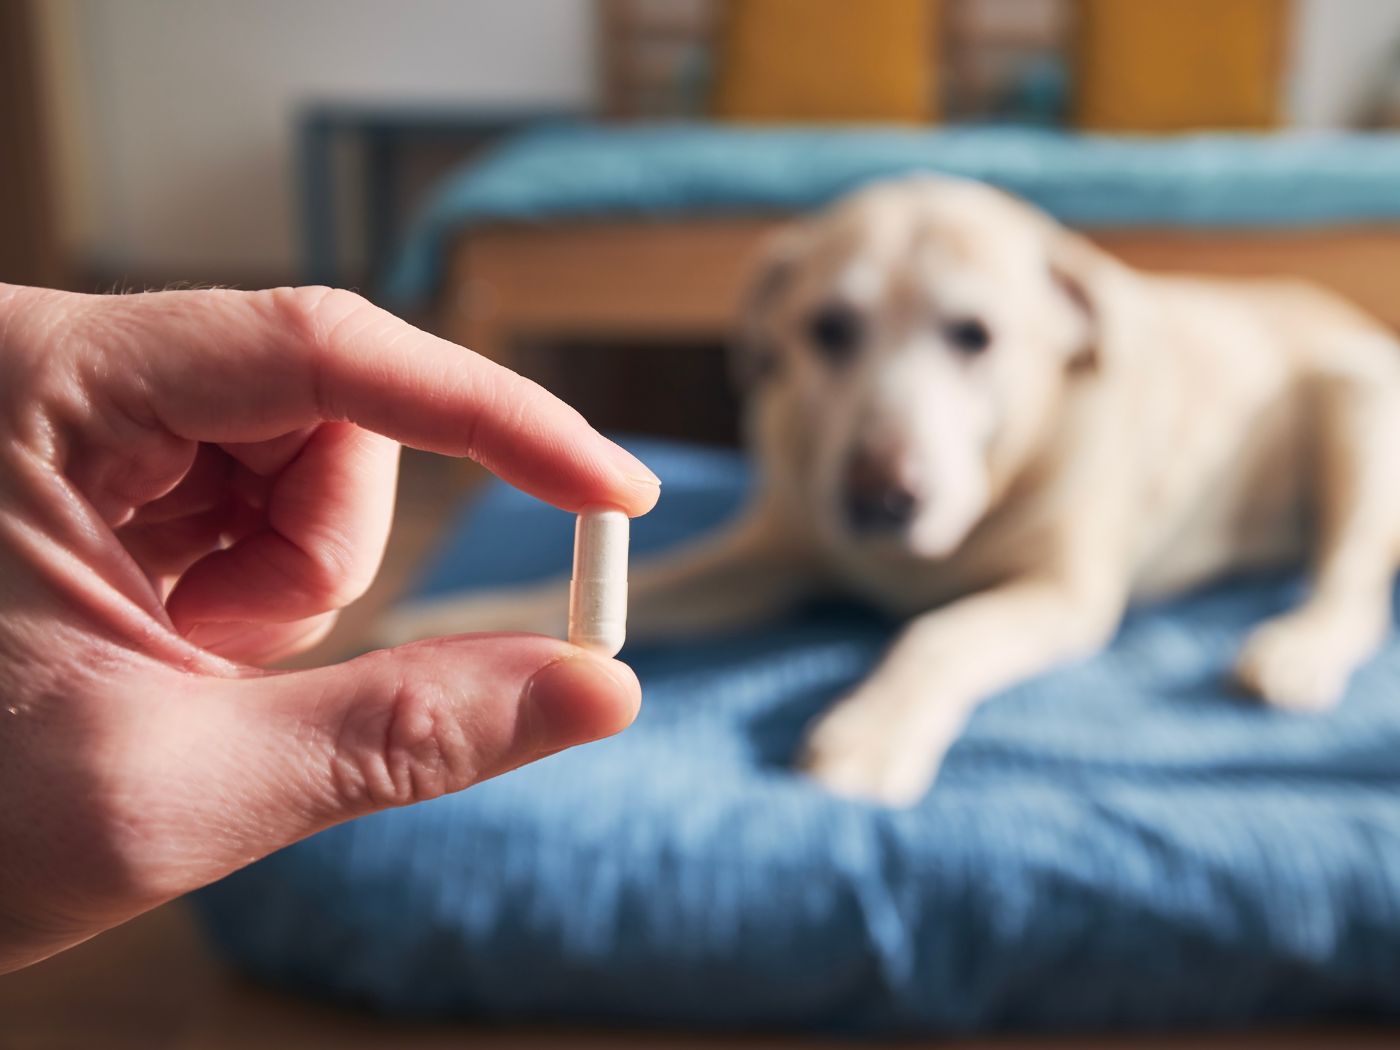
1122	843
1209	180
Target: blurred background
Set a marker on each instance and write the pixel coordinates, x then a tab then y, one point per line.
574	188
155	141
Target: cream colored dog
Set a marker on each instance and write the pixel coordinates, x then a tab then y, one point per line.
975	419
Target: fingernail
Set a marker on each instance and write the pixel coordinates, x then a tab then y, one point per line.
577	699
637	472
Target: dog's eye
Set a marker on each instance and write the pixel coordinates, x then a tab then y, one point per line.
969	336
835	331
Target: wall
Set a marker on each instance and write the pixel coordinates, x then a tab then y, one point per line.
1339	45
185	108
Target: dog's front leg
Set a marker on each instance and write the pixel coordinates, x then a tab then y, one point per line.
885	740
744	573
1303	659
748	572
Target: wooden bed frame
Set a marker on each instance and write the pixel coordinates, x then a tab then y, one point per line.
680	280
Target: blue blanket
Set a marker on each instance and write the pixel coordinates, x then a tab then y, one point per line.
1119	843
1240	180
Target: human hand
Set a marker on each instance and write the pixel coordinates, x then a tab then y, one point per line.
191	484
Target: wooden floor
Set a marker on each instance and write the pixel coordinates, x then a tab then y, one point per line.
154	985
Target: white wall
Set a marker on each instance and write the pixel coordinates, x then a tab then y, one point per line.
1338	46
186	106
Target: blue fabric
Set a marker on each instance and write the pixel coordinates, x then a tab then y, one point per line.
1119	843
571	171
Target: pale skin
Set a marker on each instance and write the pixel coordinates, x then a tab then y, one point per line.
191	485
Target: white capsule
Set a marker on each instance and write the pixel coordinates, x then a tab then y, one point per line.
598	591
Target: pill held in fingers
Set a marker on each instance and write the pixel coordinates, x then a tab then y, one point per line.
598	590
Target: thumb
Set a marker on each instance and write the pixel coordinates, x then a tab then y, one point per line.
179	784
404	725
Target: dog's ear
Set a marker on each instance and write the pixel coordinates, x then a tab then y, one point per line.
1085	355
753	358
1079	272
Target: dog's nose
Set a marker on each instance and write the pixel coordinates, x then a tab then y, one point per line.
877	498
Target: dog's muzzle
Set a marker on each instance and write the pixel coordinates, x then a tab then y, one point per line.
877	499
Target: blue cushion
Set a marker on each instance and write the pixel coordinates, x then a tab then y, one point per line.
1239	180
1119	843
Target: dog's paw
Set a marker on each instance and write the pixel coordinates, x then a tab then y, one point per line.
1295	664
862	748
526	611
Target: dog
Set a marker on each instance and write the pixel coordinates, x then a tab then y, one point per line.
973	418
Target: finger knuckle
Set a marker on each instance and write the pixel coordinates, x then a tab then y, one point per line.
408	748
311	308
313	314
334	574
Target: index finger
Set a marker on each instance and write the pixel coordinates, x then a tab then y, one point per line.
227	366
